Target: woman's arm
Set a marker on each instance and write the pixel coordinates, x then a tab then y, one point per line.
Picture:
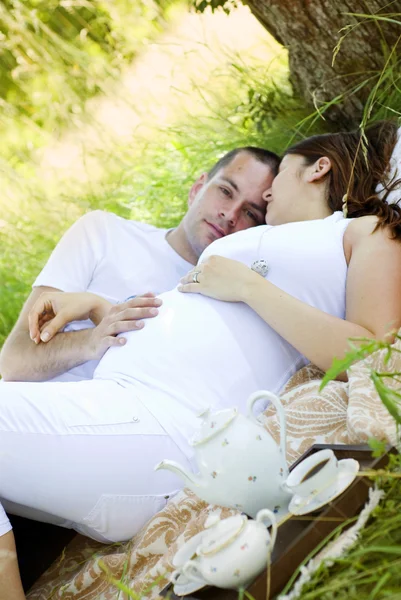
373	297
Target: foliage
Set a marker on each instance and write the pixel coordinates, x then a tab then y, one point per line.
371	568
58	53
383	99
213	5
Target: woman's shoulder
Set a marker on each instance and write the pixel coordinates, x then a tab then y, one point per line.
359	234
361	227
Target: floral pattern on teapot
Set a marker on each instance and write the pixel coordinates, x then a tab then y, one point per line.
234	450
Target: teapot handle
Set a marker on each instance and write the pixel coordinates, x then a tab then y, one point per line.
280	410
261	516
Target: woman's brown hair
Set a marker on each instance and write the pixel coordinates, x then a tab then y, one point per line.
356	171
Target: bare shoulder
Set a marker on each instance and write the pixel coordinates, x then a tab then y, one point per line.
361	227
361	233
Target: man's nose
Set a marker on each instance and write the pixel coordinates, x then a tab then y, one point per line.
230	215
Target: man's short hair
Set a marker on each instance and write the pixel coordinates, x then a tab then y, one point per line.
264	156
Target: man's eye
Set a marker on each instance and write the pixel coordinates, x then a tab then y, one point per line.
251	215
225	191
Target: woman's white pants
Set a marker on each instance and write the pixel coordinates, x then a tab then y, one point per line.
82	455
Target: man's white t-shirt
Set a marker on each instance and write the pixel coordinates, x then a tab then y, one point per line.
114	258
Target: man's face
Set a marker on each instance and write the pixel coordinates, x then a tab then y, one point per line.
232	200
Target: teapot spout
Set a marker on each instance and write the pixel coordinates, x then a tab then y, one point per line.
191	480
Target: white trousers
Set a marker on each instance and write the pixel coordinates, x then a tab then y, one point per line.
82	455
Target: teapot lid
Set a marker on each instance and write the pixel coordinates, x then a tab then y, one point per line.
212	424
222	534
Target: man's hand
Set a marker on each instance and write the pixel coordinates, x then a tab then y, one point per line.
54	310
120	319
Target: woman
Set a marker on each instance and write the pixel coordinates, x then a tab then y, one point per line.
104	436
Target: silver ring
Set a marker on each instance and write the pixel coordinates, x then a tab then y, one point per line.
195	276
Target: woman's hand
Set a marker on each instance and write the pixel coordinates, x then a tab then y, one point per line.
54	310
220	278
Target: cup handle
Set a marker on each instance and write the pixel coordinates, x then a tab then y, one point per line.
261	516
280	410
191	570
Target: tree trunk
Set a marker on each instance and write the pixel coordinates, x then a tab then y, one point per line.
310	29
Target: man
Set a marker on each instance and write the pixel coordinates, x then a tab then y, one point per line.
116	258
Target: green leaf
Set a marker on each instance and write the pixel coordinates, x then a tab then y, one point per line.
381	549
378	447
390	398
356	353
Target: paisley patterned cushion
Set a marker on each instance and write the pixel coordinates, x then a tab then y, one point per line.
343	413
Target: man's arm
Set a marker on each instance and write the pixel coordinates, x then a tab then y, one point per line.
69	268
23	360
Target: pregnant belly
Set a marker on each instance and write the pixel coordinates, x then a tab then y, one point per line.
198	346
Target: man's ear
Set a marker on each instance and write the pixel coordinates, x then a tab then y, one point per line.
319	170
197	186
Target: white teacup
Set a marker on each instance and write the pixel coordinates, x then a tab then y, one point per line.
313	475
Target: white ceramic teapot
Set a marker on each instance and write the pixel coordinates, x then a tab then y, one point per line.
241	466
232	551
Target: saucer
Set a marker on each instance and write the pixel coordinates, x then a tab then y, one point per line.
347	471
184	586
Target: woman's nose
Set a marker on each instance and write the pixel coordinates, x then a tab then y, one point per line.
267	194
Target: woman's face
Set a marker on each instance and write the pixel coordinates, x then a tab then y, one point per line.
284	203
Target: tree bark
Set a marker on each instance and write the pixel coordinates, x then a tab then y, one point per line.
310	30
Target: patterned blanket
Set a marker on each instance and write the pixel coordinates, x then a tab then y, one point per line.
345	413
